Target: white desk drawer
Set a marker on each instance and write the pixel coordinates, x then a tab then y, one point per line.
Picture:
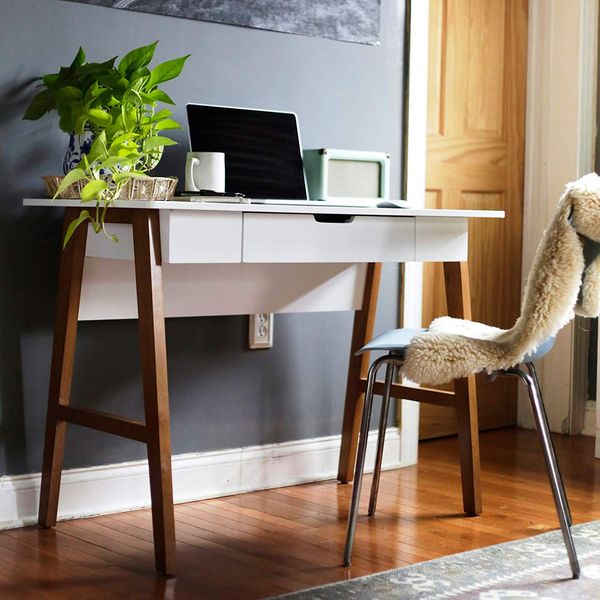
272	238
189	236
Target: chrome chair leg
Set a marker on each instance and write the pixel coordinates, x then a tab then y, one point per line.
533	372
560	500
385	409
360	456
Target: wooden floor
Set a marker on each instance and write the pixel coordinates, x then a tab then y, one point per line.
271	542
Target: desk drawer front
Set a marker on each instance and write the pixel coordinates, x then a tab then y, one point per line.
301	238
201	237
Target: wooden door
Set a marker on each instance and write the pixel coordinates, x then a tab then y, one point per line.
475	155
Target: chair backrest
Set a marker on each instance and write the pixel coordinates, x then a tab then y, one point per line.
564	279
560	285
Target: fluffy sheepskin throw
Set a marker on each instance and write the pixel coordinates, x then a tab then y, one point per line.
560	284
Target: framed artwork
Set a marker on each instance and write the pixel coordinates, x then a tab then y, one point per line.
344	20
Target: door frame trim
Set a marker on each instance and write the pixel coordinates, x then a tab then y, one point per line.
414	188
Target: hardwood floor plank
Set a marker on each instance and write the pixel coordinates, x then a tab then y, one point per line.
143	551
52	576
270	542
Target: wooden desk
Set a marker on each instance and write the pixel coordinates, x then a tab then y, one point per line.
182	259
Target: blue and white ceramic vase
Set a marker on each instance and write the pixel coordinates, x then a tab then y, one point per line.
79	144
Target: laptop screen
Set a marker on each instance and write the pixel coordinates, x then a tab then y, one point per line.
263	158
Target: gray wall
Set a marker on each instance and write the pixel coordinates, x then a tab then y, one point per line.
222	395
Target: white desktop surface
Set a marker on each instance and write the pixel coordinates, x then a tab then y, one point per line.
312	207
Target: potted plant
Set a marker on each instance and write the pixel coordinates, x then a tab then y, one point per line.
113	108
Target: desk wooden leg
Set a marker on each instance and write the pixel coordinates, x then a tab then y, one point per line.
362	332
61	370
458	299
148	274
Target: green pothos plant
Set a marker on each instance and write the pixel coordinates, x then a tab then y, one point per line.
106	168
119	104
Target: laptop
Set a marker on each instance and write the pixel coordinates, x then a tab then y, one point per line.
263	154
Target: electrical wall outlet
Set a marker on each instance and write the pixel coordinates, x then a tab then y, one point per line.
260	331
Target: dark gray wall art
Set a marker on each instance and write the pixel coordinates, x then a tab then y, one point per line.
345	20
222	395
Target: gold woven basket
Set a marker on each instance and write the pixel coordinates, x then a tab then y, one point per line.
138	188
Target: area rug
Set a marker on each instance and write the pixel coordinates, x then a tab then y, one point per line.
536	567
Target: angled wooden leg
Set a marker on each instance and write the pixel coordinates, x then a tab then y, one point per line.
364	321
458	298
468	444
61	370
148	275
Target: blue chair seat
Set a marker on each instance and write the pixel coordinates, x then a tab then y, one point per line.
395	340
398	340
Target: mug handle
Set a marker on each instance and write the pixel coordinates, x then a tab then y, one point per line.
189	174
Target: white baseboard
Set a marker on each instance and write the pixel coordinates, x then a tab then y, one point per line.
122	487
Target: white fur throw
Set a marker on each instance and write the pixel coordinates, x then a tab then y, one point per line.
454	348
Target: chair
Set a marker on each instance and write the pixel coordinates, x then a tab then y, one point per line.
564	280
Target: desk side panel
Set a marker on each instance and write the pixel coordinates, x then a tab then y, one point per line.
100	246
441	240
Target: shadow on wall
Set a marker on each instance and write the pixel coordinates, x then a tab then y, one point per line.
29	248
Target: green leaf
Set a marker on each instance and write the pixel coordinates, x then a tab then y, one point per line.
68	94
71	177
137	85
98	148
103	99
136	59
50	79
40	105
166	71
161	96
79	58
120	139
157	141
99	117
93	92
139	73
84	215
105	67
133	97
92	189
124	152
118	177
147	98
77	124
161	114
122	83
167	124
66	122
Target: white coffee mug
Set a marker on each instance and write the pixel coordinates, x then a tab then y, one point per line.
205	171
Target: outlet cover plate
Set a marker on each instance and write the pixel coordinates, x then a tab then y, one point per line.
260	331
